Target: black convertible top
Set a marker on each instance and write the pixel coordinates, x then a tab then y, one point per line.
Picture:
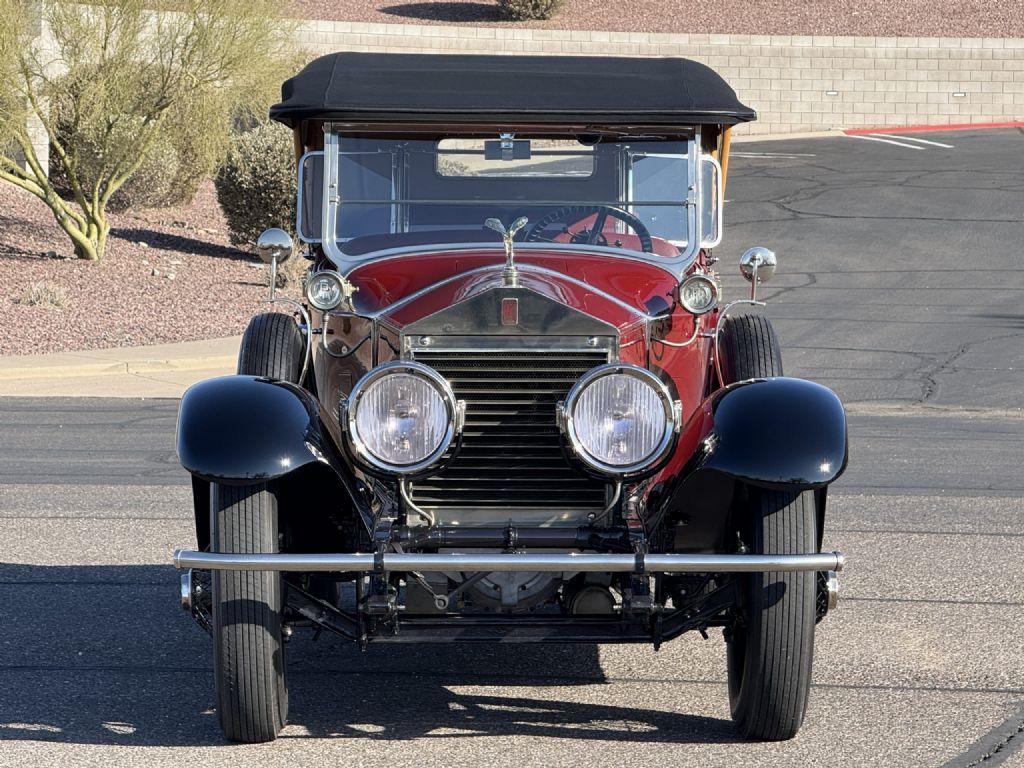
445	88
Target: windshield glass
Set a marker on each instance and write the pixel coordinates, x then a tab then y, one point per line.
400	193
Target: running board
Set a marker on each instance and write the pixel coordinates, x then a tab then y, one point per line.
518	561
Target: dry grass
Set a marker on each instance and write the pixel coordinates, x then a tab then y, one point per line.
291	274
43	293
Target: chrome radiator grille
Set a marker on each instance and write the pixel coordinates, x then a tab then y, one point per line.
511	457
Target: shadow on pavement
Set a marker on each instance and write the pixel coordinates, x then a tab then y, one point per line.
103	655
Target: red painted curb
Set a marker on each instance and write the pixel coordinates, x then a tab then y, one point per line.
927	128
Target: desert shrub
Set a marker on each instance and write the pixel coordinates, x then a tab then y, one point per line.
527	10
153	184
256	184
43	293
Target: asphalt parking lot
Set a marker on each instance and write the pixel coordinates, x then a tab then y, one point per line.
901	285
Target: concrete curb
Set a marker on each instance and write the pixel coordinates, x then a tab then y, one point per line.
185	356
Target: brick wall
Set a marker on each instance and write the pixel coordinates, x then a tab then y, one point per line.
795	83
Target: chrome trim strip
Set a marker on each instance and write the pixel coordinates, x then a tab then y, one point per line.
717	333
299	197
697	190
720	193
676	267
574	562
679	344
572	248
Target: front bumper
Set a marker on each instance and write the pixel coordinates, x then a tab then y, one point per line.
503	562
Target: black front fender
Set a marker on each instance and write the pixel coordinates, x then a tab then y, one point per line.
776	433
246	429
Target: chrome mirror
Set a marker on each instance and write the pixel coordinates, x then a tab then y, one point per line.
274	247
274	244
758	266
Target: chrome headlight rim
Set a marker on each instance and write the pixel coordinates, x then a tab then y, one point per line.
350	407
698	278
324	273
672	417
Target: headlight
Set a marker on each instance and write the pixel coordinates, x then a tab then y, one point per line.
698	294
401	417
619	419
323	290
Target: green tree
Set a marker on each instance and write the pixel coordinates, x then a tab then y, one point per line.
109	81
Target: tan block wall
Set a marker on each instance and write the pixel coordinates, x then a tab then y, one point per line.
880	81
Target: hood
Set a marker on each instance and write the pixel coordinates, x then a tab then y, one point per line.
619	293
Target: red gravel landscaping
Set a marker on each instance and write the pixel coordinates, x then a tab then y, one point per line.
168	275
915	18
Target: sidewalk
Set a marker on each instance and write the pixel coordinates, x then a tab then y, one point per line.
163	370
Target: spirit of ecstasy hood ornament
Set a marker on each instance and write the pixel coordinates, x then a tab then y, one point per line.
508	236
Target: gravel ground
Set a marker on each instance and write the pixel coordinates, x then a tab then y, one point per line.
917	18
168	275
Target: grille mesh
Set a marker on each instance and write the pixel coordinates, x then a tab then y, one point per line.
511	453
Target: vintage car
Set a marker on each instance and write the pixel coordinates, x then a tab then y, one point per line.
511	406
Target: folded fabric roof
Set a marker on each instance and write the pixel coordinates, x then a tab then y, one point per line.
444	88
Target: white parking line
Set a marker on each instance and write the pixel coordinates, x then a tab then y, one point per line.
781	155
886	141
911	138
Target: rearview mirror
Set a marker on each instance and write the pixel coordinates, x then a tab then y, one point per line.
274	244
758	266
274	247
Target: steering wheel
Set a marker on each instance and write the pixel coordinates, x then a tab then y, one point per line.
595	235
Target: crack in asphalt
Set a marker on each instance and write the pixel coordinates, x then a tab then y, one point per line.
866	217
930	383
497	677
995	747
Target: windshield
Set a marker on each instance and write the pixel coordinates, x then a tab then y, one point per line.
400	193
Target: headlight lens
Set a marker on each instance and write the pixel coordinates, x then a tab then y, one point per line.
324	290
698	294
620	419
402	417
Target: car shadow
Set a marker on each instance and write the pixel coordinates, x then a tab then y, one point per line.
446	11
103	655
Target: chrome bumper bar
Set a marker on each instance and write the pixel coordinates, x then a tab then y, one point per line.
455	562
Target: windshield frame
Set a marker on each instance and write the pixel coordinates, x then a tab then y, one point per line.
346	262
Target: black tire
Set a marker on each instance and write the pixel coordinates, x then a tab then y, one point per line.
771	649
750	349
272	346
249	664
